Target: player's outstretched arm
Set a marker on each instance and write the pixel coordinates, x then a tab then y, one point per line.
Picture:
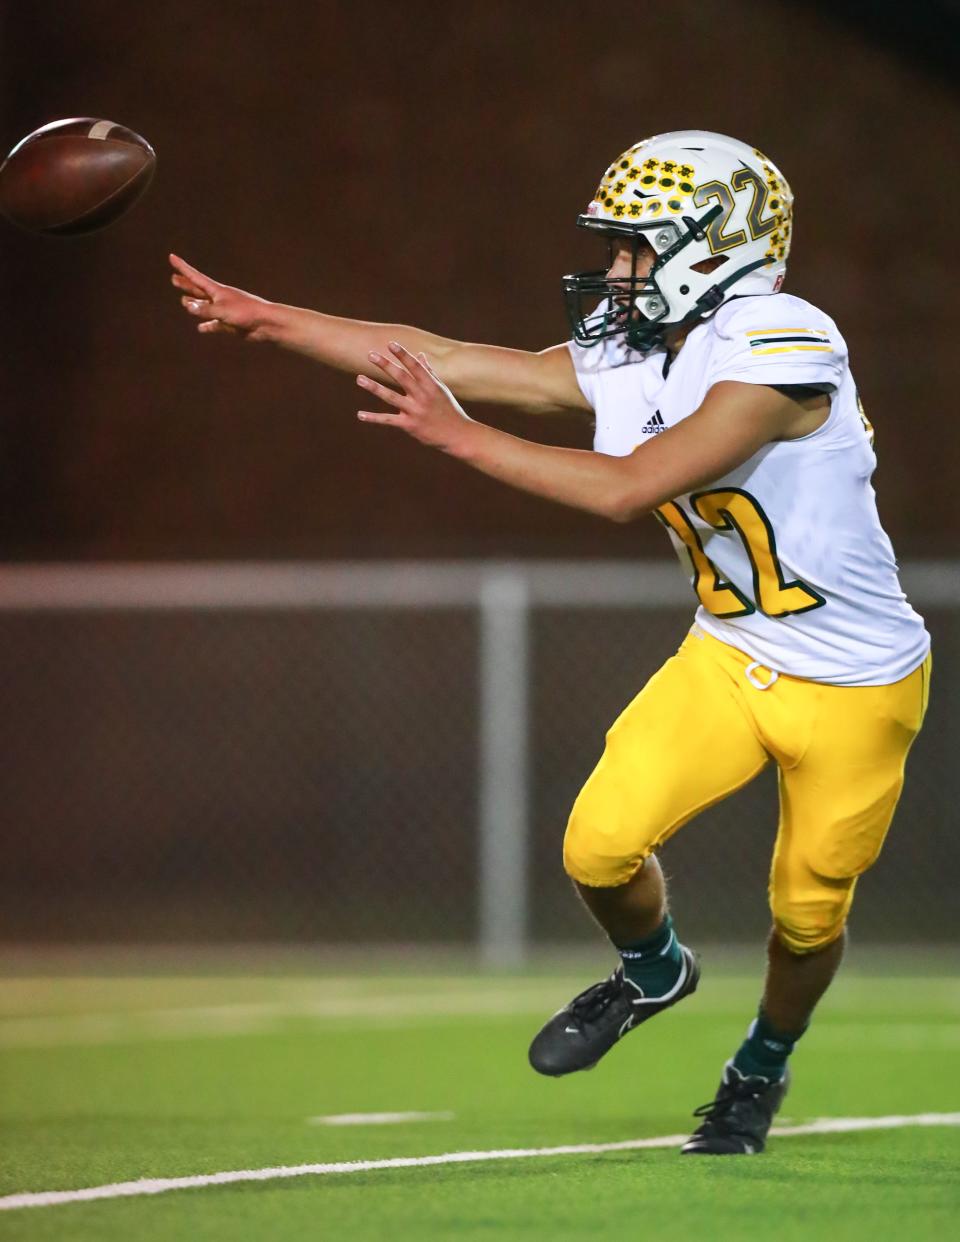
536	382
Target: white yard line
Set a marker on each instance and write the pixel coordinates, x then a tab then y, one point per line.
159	1185
376	1119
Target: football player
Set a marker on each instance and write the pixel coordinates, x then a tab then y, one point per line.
727	408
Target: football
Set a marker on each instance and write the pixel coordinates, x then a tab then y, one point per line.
74	176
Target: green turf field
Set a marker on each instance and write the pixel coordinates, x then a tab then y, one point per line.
117	1078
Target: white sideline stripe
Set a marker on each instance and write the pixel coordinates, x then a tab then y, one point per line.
376	1119
350	584
159	1185
647	584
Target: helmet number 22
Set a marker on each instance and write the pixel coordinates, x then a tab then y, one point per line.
734	511
717	191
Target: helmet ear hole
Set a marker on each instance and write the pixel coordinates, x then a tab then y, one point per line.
705	266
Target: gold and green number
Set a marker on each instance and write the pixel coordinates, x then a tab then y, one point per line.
719	192
731	509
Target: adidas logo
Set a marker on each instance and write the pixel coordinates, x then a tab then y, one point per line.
653	426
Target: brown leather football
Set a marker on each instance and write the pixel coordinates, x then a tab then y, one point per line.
74	176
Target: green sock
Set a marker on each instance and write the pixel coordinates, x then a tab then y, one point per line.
655	964
765	1050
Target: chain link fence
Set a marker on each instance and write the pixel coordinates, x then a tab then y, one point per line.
347	755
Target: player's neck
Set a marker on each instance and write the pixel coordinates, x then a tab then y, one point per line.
674	339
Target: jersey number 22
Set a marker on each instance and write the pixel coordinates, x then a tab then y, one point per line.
734	510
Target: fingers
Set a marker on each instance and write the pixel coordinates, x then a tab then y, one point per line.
390	366
185	285
206	286
198	294
422	359
410	373
415	364
201	307
385	420
389	395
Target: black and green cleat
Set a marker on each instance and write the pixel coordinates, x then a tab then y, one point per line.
736	1121
578	1035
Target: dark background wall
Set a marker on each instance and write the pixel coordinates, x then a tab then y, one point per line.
425	163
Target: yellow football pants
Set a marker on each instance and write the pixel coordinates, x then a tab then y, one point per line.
702	728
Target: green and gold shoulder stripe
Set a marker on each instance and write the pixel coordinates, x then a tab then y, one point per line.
788	341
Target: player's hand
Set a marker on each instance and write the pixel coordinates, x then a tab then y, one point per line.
219	308
424	406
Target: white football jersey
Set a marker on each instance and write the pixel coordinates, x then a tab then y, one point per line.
786	553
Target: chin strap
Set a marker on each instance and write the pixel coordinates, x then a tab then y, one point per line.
713	297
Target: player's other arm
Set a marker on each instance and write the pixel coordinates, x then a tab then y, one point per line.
734	421
539	383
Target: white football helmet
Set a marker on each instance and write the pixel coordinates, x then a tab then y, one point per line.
693	196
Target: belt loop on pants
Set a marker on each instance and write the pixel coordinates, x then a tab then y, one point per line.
754	680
